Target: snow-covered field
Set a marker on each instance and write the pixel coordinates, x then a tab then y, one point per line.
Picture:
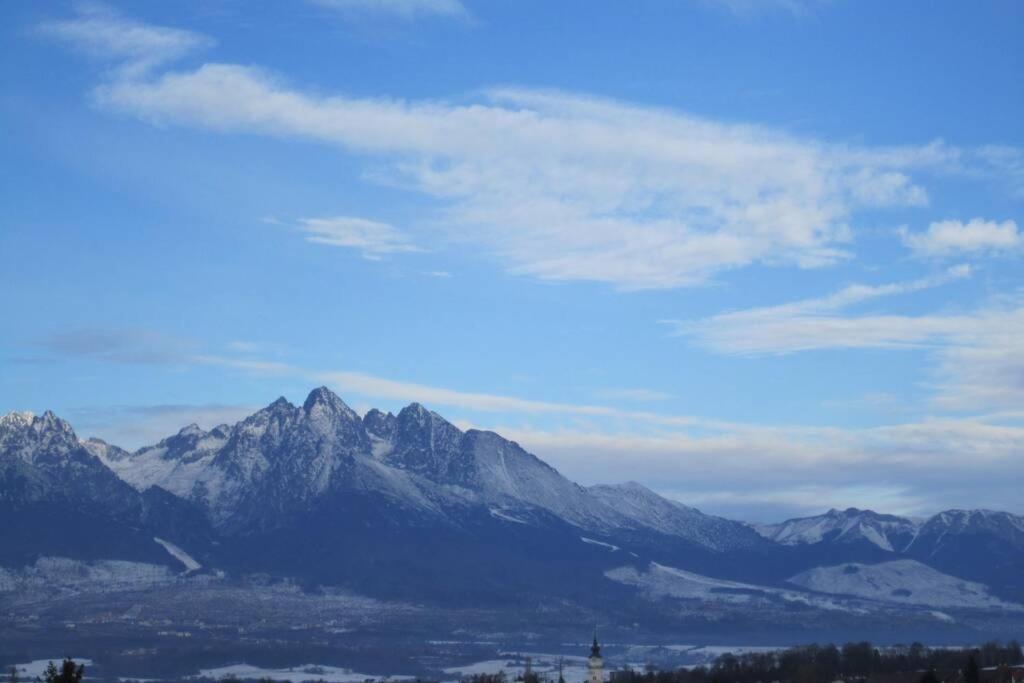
296	674
901	581
660	581
904	582
574	669
61	573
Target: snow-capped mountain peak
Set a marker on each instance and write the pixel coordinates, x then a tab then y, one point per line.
888	532
16	419
30	437
283	458
319	474
324	401
192	430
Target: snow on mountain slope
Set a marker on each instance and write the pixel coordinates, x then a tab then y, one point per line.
41	459
36	439
639	507
662	581
482	466
180	555
658	581
900	581
945	526
847	526
180	464
283	458
502	474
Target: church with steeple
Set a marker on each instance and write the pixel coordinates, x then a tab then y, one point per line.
595	664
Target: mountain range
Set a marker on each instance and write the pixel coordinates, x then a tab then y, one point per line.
410	508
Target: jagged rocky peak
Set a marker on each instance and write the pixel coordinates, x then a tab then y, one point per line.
25	433
105	451
326	401
418	410
426	443
327	417
16	420
281	405
1003	524
850	512
278	411
416	419
49	422
221	431
888	532
188	440
417	428
380	425
192	430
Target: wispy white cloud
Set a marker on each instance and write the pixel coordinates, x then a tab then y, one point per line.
759	472
374	386
404	9
956	238
538	177
978	357
136	47
634	394
811	324
750	333
254	365
747	8
371	238
569	187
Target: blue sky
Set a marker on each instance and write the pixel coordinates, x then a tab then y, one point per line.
764	257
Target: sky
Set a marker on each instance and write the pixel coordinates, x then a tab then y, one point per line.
765	257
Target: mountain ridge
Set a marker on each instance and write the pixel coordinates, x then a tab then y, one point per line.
383	503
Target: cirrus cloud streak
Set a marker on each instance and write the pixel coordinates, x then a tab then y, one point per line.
556	185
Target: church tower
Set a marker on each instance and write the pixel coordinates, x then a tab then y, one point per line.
595	665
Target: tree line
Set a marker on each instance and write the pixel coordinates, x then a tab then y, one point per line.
853	661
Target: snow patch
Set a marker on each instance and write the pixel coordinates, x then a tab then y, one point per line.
905	582
180	555
380	448
297	674
574	669
846	525
660	581
508	518
591	541
104	576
